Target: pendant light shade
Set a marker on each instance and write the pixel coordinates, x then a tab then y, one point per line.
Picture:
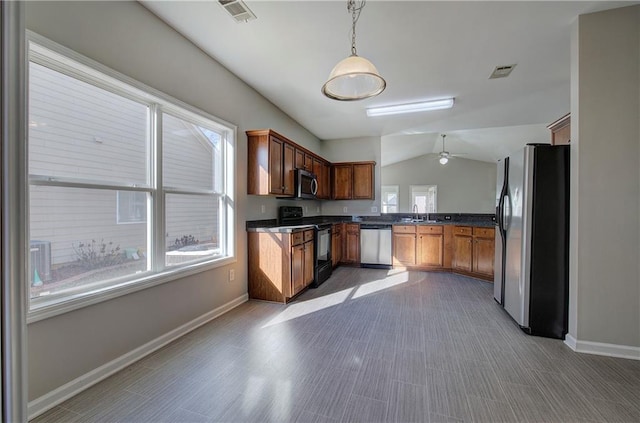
354	78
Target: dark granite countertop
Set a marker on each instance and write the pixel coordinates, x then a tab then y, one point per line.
461	219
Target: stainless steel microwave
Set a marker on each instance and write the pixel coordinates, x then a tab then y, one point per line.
306	184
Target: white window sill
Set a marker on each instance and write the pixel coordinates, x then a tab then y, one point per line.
43	309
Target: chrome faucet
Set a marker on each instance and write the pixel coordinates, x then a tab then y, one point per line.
415	212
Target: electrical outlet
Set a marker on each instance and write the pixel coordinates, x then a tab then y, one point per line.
374	209
306	209
318	209
263	209
232	275
344	209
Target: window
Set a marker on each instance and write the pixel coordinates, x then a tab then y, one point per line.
106	211
424	196
389	198
132	207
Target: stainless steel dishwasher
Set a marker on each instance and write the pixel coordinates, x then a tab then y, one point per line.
375	245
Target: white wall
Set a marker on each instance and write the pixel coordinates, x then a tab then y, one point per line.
128	38
605	186
354	150
464	186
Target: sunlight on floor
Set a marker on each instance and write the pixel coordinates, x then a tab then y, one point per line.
293	311
381	284
296	310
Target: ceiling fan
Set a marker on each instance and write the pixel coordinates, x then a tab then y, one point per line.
445	155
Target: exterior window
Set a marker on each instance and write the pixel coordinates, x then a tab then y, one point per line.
132	207
389	199
424	197
105	211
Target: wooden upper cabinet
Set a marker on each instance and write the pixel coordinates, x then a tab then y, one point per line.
561	130
304	160
321	170
270	164
363	181
276	150
353	181
288	170
342	181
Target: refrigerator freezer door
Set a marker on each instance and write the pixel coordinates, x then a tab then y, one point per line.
517	265
498	278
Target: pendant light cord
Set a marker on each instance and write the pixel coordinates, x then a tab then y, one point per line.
355	15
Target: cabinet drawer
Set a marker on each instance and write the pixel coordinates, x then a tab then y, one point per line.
352	228
484	232
462	230
308	235
297	238
404	229
430	229
337	229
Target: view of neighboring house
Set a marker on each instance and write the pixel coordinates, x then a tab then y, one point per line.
95	141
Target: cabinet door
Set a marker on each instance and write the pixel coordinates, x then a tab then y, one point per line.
342	182
326	181
483	256
462	253
308	162
363	181
299	159
430	250
288	166
352	244
308	263
404	249
336	247
276	148
297	269
319	170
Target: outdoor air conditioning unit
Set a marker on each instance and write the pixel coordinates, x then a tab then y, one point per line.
40	261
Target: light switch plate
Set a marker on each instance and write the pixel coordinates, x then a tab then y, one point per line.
344	210
374	209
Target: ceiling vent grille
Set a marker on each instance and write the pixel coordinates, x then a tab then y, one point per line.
502	71
238	10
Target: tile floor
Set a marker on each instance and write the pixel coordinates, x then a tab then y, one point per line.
369	345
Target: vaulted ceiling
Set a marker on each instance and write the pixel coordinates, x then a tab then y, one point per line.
424	49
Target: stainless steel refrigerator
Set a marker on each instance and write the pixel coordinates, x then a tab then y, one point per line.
532	241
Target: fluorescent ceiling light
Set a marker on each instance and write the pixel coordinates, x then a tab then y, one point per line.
424	106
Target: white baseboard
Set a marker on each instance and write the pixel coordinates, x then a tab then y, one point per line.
599	348
46	402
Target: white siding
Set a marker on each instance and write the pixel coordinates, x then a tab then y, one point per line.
81	131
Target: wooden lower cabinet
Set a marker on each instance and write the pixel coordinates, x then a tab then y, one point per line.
484	251
281	265
404	245
351	252
462	253
430	246
336	243
473	251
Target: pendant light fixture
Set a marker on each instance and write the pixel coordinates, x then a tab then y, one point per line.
354	78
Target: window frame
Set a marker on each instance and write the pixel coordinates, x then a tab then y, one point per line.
61	59
384	189
423	189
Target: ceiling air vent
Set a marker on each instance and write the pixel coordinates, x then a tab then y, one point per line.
502	71
238	10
